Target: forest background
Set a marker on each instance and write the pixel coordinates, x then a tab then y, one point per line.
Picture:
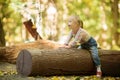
100	17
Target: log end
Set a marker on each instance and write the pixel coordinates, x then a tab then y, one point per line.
24	63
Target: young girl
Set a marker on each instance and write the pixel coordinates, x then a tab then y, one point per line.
87	42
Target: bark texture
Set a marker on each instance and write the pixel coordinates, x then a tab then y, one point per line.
2	35
10	53
66	62
29	26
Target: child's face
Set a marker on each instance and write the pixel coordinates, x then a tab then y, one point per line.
72	22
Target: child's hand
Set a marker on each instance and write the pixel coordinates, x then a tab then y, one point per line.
65	46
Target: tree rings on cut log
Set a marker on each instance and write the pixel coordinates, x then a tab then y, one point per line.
24	63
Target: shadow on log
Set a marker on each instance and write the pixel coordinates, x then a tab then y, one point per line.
66	62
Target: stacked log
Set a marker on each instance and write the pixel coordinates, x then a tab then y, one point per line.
10	53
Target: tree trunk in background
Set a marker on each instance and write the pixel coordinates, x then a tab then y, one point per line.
116	25
2	34
9	54
103	35
66	62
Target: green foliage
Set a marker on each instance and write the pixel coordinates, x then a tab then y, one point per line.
94	13
11	20
86	10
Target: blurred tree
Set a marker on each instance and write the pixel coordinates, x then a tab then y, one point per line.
11	22
105	29
3	13
2	34
110	34
98	16
116	23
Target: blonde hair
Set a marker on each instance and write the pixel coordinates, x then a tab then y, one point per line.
80	22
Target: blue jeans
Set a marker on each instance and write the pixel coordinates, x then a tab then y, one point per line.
91	45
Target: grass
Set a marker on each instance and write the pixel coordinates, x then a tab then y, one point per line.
8	72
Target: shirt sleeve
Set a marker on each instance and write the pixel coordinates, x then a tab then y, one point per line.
77	39
69	37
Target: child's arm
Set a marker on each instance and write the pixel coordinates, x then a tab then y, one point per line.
69	37
77	39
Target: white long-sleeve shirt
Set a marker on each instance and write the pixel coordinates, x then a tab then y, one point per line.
81	36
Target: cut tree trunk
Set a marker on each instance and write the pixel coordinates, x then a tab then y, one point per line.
29	26
10	53
66	62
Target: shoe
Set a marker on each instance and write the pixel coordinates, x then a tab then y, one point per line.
99	74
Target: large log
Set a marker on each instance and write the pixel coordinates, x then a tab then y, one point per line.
10	53
66	62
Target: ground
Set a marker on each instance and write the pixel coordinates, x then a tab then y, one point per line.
8	72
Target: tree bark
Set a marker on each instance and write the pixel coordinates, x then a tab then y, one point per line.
116	23
66	62
10	53
2	34
29	26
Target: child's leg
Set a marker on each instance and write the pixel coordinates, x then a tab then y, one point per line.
94	52
96	59
79	47
98	72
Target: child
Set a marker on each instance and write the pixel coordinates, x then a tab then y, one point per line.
81	36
